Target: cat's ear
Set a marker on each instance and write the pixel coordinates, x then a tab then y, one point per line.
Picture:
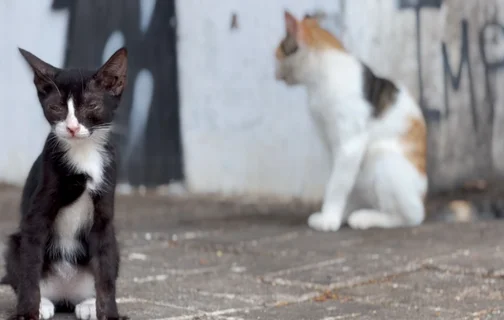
311	20
112	76
296	29
291	24
44	73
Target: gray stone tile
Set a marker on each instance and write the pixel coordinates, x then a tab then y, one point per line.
428	291
336	310
208	259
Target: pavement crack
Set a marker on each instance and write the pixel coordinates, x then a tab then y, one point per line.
455	270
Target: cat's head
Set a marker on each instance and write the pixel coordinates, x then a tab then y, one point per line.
298	52
79	104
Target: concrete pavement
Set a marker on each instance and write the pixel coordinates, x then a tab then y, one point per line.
210	259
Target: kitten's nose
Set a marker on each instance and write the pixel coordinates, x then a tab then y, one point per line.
73	130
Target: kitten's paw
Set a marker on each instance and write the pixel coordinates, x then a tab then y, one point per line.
46	309
324	222
86	310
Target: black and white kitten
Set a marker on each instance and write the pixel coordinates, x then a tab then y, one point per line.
65	252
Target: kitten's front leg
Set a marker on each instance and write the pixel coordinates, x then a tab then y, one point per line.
33	235
344	173
105	259
31	260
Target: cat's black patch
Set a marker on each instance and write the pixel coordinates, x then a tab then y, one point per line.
379	92
53	184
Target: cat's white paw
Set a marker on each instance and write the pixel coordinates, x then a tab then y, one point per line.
366	219
46	309
360	220
324	222
86	310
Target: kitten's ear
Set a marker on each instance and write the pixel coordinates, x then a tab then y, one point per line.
291	24
112	76
43	71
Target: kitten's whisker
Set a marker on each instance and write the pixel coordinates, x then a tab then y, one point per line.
122	130
112	127
102	126
53	139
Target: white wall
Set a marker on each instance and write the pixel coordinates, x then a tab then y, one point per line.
32	25
243	132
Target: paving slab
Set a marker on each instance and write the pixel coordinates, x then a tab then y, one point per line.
434	292
203	258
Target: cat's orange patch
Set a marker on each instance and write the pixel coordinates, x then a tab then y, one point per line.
313	35
414	142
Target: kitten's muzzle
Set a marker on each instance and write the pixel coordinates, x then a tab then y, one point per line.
73	130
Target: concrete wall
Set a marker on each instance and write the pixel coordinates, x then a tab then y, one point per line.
451	55
243	132
29	24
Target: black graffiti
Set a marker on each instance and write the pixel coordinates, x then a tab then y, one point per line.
455	79
491	67
157	157
417	5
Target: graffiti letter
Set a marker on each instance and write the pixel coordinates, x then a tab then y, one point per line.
417	5
491	65
455	78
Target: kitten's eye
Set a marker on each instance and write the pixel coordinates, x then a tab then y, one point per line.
94	106
55	107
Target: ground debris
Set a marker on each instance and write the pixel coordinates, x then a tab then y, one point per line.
331	295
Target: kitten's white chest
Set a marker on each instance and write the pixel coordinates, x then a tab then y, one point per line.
70	220
83	157
90	158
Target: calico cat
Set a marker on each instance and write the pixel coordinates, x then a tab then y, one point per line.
65	253
373	127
